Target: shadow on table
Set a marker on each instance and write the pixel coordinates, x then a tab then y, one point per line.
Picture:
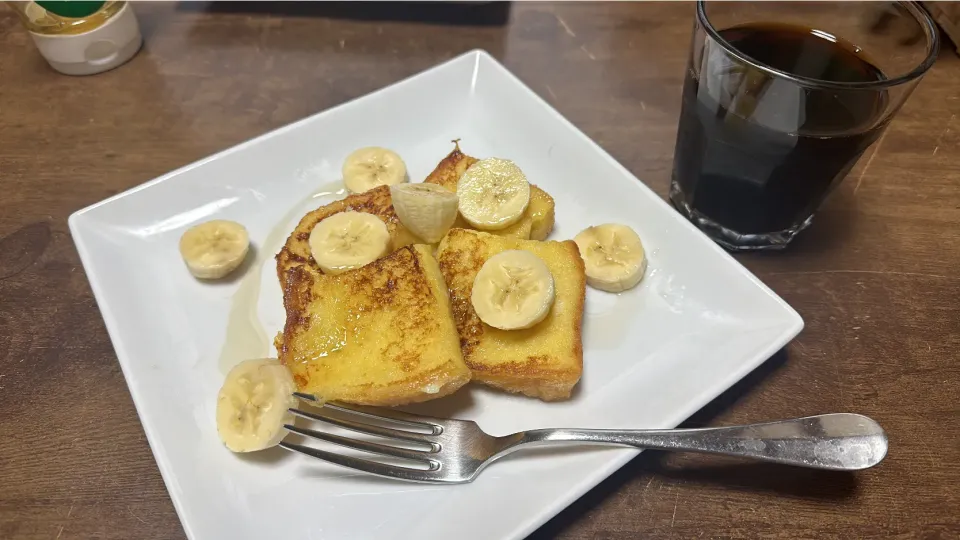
736	475
457	13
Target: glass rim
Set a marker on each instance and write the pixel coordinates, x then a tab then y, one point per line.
923	19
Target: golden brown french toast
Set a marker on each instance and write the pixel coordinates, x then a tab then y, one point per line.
376	201
538	219
544	361
382	334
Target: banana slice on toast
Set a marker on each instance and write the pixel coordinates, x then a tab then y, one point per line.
370	167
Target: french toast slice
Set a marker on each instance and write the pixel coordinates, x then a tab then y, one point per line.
537	220
376	201
382	334
544	361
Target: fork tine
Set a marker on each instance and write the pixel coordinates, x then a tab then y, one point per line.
367	446
372	467
369	429
392	415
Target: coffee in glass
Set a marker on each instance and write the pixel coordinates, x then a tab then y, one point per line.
774	115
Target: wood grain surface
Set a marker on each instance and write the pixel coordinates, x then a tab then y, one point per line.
876	277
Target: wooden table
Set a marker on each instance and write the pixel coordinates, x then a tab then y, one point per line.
876	278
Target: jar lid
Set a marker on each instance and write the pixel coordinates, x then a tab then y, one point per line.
100	49
73	8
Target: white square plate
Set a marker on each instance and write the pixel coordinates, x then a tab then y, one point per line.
652	356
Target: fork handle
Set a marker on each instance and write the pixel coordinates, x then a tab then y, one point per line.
840	441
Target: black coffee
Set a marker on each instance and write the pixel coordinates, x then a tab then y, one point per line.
758	154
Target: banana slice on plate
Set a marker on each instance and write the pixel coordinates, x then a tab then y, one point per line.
348	240
513	290
494	193
428	210
253	403
613	256
215	248
367	168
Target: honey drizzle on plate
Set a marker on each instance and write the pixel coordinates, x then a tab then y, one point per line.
246	338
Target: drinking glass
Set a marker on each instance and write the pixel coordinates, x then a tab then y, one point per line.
760	146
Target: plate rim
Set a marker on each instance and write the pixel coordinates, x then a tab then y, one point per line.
792	321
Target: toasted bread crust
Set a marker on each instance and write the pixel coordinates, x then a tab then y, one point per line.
541	212
388	334
451	168
379	335
377	201
545	361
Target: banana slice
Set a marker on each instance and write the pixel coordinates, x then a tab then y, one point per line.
253	403
215	248
348	240
373	166
428	210
493	193
513	290
613	256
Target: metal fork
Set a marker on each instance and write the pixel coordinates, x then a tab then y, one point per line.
455	451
